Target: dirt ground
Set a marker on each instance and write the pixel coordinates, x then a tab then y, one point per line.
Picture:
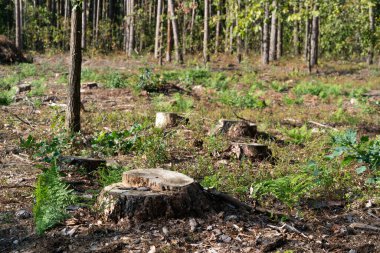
326	226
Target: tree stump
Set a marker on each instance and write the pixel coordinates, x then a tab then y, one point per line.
166	120
235	129
89	164
146	194
251	151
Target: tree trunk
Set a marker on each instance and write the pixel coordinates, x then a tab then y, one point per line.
158	28
193	5
73	96
206	56
168	38
296	31
371	34
265	39
307	36
18	10
131	27
178	54
314	38
217	32
238	39
84	24
273	34
279	38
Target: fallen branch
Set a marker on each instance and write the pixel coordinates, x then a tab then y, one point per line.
289	228
17	117
322	125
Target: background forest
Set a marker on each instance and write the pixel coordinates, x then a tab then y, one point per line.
346	28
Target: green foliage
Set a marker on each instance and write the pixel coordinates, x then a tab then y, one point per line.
26	70
153	146
298	135
7	97
52	198
364	151
288	189
241	100
212	181
38	88
218	81
182	103
110	175
292	101
149	81
89	75
279	86
50	149
115	142
115	80
194	76
321	90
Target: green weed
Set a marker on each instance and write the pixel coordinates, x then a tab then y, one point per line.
321	90
110	175
298	135
52	198
115	80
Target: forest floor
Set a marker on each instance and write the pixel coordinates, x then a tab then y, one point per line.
304	201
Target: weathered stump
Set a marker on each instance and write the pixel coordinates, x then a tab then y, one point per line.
24	87
166	120
235	129
251	151
89	164
147	194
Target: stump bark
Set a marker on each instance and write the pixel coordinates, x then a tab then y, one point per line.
166	120
251	151
235	129
147	194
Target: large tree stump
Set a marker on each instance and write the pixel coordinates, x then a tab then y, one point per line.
235	129
147	194
251	151
166	120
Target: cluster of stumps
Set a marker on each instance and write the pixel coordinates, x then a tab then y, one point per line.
146	194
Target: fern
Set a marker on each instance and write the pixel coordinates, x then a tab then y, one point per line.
52	198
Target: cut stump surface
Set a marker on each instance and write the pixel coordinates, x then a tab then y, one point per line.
166	120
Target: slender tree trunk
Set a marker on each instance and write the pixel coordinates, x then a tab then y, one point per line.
307	36
161	40
265	39
371	34
314	38
296	31
73	98
279	38
131	27
238	39
217	32
184	34
273	33
168	38
178	54
193	5
158	29
98	13
206	57
18	10
84	24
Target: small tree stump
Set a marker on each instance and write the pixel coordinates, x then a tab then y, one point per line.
147	194
251	151
89	164
235	129
24	87
166	120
